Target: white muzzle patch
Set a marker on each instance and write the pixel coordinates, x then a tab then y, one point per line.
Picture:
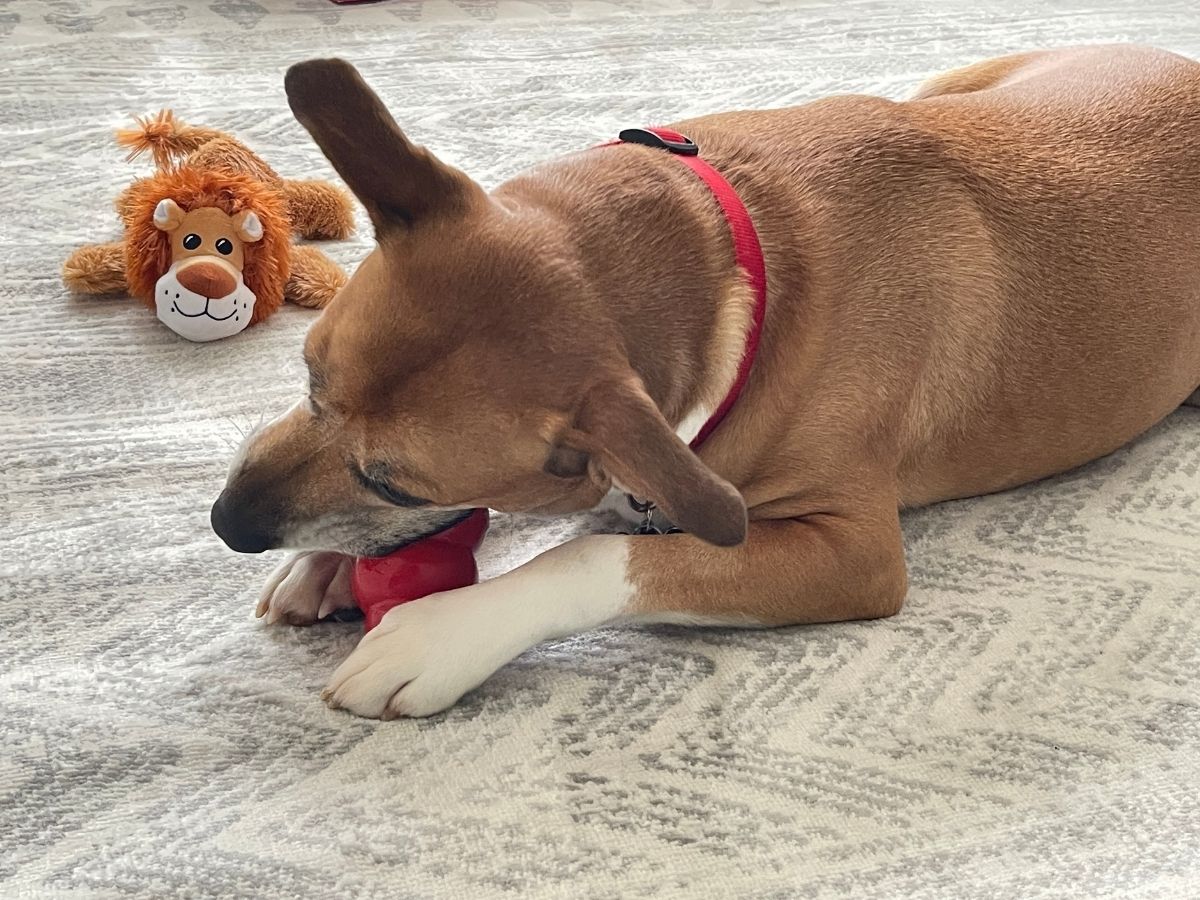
199	318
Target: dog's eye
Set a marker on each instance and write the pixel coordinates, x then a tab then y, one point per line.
191	242
383	489
224	246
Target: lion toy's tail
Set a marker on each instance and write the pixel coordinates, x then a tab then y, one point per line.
166	138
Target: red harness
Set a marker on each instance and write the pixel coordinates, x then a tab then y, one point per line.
747	251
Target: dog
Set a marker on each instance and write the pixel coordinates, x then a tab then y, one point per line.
990	283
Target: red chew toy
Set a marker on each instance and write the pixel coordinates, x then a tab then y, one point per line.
440	562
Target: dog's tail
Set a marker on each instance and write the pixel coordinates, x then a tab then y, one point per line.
168	139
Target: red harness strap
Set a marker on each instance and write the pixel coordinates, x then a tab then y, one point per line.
747	251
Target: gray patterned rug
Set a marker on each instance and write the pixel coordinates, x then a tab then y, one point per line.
1029	726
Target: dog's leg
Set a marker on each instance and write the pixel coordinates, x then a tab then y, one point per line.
428	653
307	586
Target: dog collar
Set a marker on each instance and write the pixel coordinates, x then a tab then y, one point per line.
747	251
748	256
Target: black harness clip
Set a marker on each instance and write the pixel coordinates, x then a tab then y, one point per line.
686	147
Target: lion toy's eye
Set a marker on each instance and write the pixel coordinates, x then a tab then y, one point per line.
191	242
224	246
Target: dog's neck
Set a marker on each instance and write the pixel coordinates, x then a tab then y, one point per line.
672	293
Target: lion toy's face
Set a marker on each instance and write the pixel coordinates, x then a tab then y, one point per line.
208	250
203	295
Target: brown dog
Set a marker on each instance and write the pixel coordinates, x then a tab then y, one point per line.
988	284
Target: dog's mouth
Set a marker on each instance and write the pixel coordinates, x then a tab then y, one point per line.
453	517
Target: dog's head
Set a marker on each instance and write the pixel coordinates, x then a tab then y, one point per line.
463	365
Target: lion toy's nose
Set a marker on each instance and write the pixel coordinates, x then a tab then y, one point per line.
207	279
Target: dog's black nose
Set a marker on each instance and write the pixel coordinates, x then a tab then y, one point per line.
238	531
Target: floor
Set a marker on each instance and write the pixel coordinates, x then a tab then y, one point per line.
1029	726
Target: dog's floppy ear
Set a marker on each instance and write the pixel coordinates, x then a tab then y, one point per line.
622	428
398	182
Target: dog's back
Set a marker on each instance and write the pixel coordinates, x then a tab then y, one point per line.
1029	227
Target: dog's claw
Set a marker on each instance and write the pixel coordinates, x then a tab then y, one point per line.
306	587
331	604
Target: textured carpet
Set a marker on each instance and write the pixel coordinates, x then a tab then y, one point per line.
1029	726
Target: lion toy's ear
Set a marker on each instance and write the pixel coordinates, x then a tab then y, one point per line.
167	215
248	226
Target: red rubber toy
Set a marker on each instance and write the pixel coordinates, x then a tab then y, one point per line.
440	562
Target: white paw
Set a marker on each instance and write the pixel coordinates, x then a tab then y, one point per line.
426	654
306	587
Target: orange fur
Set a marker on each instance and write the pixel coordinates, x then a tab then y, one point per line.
148	250
315	280
166	138
318	209
96	269
232	155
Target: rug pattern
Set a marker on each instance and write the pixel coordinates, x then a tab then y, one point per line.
1029	726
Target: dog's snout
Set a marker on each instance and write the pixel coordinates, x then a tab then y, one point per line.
238	531
208	279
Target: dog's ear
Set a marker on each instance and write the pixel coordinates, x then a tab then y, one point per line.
398	182
622	428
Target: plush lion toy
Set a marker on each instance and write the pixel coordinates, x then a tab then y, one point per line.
208	236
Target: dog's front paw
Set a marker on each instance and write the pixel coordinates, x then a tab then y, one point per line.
306	587
426	654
